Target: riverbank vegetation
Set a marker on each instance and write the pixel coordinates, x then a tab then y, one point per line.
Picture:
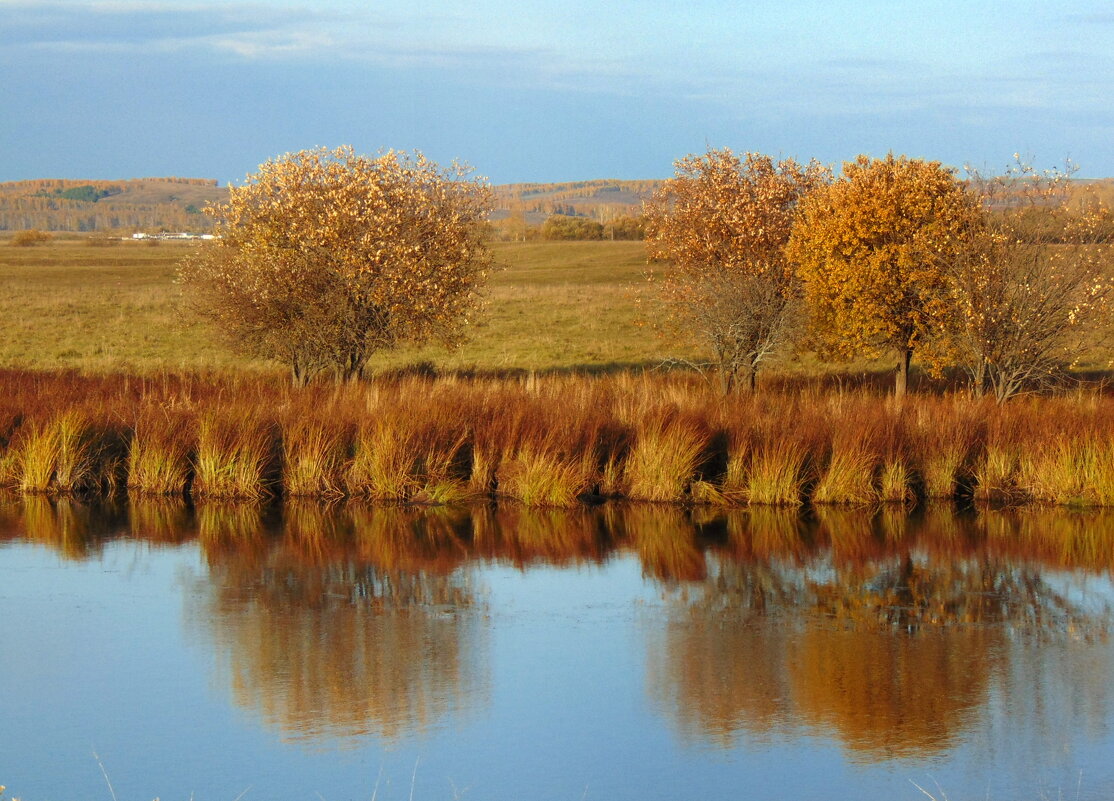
547	440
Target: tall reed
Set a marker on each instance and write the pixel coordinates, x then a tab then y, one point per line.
1075	471
234	458
895	483
733	487
59	455
545	476
313	459
10	420
663	460
159	453
943	436
545	440
776	475
847	478
847	474
399	459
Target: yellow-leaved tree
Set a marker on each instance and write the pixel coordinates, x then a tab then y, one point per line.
873	250
721	223
324	257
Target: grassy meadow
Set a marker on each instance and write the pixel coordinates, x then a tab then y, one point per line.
106	305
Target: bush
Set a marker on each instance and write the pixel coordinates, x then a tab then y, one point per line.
25	239
560	227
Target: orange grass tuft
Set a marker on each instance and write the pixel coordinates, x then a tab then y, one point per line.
545	440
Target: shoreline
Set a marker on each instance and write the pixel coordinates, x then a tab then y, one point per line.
545	441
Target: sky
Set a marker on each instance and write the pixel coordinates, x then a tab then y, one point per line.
528	90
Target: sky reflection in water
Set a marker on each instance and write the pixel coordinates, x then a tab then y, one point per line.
638	652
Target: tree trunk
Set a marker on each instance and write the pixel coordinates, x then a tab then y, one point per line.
352	369
299	376
980	379
749	381
353	373
726	380
902	383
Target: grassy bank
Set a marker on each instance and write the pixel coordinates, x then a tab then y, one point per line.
545	440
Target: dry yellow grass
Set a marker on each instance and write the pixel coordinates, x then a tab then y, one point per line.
65	304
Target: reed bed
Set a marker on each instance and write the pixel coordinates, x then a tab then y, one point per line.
160	453
63	454
663	460
545	441
848	478
234	456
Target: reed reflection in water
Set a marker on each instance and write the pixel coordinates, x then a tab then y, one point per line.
897	635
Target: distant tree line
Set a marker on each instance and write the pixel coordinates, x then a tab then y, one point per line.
561	227
61	214
86	192
66	205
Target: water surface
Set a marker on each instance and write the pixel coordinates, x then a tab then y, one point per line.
633	652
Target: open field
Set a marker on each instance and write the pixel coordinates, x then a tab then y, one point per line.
114	306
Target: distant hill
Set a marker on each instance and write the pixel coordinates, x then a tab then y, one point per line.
601	200
174	204
143	204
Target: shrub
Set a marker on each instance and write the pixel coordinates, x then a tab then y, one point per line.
30	238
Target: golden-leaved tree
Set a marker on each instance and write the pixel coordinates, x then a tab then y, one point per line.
1037	290
873	250
324	257
722	223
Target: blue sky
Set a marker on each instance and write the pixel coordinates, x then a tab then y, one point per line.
548	91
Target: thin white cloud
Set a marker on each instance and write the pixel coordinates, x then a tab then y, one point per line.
271	44
154	26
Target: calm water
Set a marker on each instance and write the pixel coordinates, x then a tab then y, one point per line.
616	653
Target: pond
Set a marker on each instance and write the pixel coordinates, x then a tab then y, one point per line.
157	650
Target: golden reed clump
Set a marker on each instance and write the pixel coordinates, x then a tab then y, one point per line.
547	441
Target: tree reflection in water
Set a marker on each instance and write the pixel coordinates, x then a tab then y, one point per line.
888	632
896	633
343	628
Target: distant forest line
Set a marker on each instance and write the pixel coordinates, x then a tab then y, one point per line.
595	209
176	204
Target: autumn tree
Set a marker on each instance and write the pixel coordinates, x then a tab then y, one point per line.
564	227
872	250
1037	288
625	228
325	257
721	223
